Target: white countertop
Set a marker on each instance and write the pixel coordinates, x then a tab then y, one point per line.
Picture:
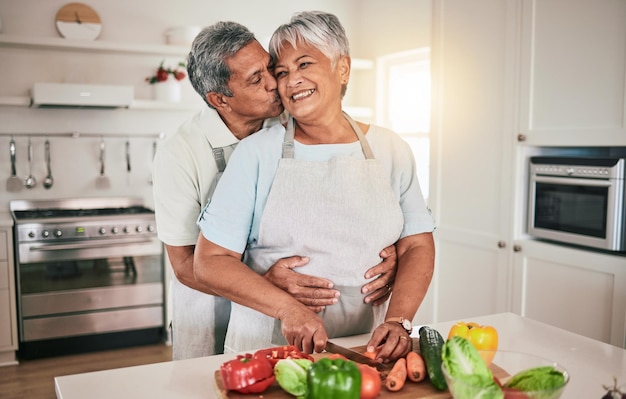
5	219
590	363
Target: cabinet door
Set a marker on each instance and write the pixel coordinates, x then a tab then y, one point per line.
471	158
572	72
577	290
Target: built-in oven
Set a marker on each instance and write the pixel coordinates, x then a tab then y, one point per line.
578	201
89	275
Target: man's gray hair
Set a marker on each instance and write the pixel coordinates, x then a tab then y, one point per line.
319	29
206	63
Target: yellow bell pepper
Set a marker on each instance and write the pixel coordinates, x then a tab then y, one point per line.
484	338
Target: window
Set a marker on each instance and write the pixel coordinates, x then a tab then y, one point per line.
403	103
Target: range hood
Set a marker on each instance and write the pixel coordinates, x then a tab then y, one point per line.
71	95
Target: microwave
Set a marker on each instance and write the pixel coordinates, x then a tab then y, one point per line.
578	201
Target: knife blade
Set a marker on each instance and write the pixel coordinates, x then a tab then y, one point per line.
332	347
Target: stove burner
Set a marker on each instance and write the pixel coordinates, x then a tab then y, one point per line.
55	213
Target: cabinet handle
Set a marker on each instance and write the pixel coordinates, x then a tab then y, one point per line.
517	248
521	137
501	244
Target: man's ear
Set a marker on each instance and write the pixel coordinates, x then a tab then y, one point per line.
343	66
217	100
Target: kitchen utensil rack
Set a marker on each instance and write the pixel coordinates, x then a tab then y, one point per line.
76	135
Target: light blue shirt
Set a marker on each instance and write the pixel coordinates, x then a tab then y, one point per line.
232	217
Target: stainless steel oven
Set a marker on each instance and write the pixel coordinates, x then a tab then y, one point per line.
89	275
578	201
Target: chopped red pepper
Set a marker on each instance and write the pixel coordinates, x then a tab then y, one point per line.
281	352
247	374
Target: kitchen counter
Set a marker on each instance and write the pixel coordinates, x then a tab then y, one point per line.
5	219
590	363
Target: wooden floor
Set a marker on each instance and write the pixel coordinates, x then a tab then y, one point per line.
34	379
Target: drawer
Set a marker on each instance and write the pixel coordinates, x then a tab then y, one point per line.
3	245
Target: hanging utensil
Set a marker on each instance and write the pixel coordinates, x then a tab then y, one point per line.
154	150
102	181
48	181
128	155
14	183
30	181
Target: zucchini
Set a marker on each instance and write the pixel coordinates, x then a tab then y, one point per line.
431	343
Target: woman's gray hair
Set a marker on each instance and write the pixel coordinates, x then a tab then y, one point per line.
206	63
319	29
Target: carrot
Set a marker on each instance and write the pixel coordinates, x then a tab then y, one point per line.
371	355
415	367
397	376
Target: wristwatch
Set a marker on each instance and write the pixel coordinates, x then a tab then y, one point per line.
405	323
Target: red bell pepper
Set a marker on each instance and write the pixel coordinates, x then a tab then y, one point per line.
281	352
247	374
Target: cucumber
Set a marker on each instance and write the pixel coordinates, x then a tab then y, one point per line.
431	343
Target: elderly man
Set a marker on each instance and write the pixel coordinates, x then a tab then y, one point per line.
231	71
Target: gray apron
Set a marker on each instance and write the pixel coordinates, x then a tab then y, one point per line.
341	214
199	320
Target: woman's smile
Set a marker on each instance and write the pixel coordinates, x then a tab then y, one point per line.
302	94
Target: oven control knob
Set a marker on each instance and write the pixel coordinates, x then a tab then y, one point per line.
126	229
45	234
31	234
115	230
139	229
58	233
102	231
150	228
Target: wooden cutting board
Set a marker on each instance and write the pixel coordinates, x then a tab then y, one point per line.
412	390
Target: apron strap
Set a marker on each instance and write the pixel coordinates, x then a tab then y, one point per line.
288	141
218	155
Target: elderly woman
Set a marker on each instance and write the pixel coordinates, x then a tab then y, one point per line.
327	188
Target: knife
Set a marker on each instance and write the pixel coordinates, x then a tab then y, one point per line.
332	347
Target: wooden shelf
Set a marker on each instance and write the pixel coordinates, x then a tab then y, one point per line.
148	105
97	46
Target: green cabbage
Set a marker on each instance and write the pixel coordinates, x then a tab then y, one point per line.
461	357
544	378
471	378
291	375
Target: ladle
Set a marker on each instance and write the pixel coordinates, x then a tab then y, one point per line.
48	181
30	181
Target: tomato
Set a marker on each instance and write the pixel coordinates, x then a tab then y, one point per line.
484	338
371	382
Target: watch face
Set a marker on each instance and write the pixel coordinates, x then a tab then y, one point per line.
407	325
78	21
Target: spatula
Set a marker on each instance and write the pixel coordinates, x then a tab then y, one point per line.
102	181
14	183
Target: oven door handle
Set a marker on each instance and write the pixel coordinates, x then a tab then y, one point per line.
573	181
83	245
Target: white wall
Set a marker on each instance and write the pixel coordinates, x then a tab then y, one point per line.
374	29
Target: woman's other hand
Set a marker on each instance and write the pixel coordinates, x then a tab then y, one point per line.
304	329
378	290
390	342
314	292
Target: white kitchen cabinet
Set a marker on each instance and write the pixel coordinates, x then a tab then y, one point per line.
573	67
577	290
479	169
8	317
472	159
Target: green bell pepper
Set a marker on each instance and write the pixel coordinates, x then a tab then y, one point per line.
330	379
